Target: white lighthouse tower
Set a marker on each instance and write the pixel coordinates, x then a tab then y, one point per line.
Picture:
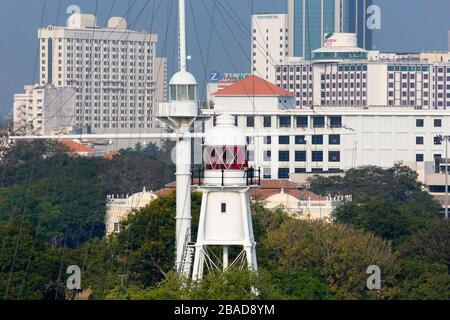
179	114
225	216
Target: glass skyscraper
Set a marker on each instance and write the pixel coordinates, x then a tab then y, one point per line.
310	20
354	14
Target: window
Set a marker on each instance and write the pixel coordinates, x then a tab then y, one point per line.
334	156
336	122
319	122
116	227
317	156
283	173
302	122
267	155
283	140
334	139
250	155
300	170
283	156
267	122
419	123
419	140
267	140
250	122
437	141
267	173
223	207
318	139
300	140
285	122
300	156
419	157
437	123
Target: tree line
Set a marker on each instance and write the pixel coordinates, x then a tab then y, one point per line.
52	209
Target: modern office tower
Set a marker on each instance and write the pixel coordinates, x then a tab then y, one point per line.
354	19
112	70
309	21
44	110
269	44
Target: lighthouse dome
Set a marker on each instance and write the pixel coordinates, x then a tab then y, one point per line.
225	133
183	78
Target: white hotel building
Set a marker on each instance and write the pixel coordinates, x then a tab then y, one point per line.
269	44
114	71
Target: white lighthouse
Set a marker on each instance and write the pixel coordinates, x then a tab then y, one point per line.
225	216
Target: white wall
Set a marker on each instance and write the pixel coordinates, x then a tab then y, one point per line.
377	136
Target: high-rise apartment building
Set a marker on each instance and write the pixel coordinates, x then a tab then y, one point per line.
310	20
44	110
112	70
269	44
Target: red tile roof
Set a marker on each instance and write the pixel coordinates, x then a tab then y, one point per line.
253	86
167	190
111	155
77	147
267	189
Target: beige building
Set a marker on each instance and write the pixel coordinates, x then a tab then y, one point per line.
45	109
435	57
292	198
112	69
120	206
303	208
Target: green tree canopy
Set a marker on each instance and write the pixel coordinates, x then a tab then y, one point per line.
336	254
64	195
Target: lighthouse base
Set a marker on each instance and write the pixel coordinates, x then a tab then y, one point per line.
225	229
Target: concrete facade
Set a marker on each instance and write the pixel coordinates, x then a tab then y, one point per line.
112	70
120	206
43	110
269	44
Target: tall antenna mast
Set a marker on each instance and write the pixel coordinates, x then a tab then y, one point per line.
179	114
182	33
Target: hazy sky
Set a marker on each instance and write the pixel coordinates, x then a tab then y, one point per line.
407	25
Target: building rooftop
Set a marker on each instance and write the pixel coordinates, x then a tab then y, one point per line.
270	188
77	147
253	86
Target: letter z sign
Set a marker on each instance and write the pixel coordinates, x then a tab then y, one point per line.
214	76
